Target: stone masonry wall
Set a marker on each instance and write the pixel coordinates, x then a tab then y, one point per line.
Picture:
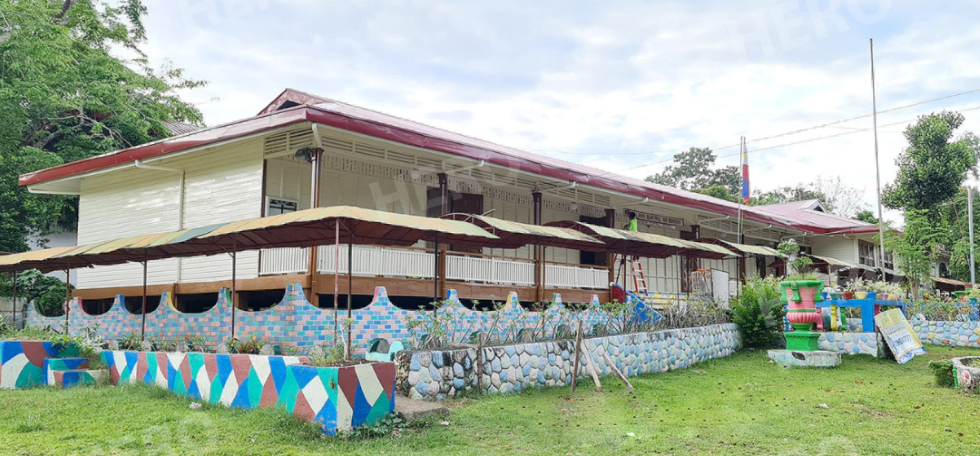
952	333
437	374
850	343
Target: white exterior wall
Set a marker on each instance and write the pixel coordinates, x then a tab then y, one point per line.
221	185
839	247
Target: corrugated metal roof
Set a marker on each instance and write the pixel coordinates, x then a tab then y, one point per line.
387	127
949	281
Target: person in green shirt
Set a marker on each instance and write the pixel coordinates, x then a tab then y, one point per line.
633	225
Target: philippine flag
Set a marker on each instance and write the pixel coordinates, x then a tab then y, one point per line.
745	175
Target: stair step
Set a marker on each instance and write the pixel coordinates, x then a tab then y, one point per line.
52	365
76	377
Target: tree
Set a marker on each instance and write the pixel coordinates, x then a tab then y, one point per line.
838	197
47	293
916	246
867	216
64	96
932	168
720	192
694	170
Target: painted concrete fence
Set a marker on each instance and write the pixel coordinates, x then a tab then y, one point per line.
951	333
335	398
294	322
24	364
438	374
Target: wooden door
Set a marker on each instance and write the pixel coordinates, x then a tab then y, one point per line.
598	259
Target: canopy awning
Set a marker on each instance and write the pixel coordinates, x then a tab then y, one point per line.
517	234
841	264
357	226
644	244
296	229
760	250
949	281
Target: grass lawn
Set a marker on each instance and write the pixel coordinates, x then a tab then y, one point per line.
738	405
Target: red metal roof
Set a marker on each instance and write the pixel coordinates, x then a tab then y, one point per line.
376	124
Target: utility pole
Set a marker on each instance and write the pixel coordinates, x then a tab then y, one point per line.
881	220
969	210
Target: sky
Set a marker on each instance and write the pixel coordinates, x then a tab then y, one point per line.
618	85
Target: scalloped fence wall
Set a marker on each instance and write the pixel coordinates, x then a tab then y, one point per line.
294	322
438	374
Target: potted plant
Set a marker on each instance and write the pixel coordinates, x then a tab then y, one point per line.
801	289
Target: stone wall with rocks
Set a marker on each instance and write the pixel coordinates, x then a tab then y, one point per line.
442	373
952	333
851	343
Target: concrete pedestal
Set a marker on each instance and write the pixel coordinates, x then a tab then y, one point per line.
819	358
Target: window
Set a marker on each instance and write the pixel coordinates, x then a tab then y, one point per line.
866	253
279	206
889	260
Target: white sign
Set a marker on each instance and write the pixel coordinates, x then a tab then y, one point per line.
656	219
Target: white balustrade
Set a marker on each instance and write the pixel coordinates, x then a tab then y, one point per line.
564	276
284	261
410	263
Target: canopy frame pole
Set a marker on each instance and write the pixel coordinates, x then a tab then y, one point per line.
435	275
143	307
336	279
13	283
349	324
316	159
67	298
234	290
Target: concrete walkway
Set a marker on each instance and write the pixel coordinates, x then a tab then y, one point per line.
412	409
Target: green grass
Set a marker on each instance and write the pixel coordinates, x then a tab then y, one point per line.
739	405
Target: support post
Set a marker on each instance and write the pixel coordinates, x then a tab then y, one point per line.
435	274
143	306
610	257
67	298
969	207
316	157
538	251
350	293
444	209
234	291
13	284
336	279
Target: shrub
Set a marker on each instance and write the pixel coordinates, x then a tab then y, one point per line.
943	370
758	312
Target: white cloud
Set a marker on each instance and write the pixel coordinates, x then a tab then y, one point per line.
609	81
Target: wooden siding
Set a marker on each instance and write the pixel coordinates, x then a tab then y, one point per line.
221	185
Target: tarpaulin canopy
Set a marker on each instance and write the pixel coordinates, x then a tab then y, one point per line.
357	225
760	250
517	234
949	281
841	264
644	244
302	228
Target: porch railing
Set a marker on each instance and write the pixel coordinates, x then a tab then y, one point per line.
417	263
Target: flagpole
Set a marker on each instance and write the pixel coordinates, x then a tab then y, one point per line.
874	112
741	186
741	197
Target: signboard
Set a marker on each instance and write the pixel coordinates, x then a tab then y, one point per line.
898	335
656	219
719	287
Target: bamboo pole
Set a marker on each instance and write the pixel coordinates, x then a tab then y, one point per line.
612	367
143	311
578	350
